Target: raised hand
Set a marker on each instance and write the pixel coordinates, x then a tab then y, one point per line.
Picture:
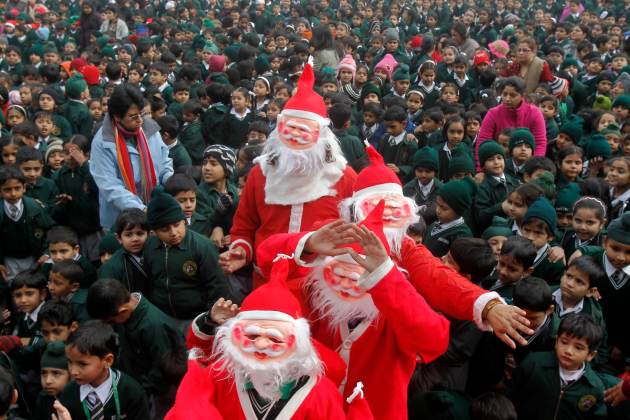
329	239
508	323
233	260
222	310
375	252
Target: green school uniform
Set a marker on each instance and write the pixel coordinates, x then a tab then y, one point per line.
45	191
132	400
490	194
236	130
545	269
175	109
352	148
80	213
167	94
128	270
78	301
186	278
200	224
146	339
438	239
79	117
192	139
28	234
443	73
570	242
43	409
213	123
399	154
208	201
552	129
62	128
426	203
179	154
514	171
539	394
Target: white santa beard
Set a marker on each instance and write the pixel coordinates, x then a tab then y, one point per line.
266	377
333	308
298	176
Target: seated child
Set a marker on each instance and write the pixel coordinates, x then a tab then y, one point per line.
107	246
372	129
515	263
147	338
31	163
565	200
453	201
54	377
496	235
95	386
63	244
353	149
539	226
191	134
127	263
453	132
536	166
395	147
57	321
561	383
587	225
64	282
423	189
258	132
521	148
169	129
184	189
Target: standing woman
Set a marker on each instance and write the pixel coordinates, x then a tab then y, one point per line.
513	112
528	66
128	157
323	49
90	22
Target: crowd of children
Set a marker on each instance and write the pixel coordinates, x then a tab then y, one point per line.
95	319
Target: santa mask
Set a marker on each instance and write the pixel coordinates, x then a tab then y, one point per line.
342	277
298	133
398	208
264	340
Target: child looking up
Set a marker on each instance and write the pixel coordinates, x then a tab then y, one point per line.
63	244
423	189
588	222
515	263
521	148
64	283
31	163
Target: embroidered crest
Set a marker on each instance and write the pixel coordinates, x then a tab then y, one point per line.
189	268
587	402
38	233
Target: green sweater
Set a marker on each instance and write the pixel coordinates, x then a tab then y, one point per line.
207	203
192	139
28	234
79	117
45	191
126	269
80	213
352	148
438	240
399	154
180	155
490	195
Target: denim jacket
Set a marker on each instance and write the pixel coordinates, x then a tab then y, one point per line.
113	195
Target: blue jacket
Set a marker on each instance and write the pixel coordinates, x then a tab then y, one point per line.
113	196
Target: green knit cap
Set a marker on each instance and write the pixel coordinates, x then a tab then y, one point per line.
573	130
55	356
521	135
461	161
569	61
602	102
611	129
458	194
163	210
598	146
401	73
108	244
567	197
231	52
547	182
499	227
210	47
75	86
489	149
261	65
426	158
619	229
623	100
543	210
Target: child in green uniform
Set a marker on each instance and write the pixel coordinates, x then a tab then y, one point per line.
496	184
521	148
97	390
169	128
54	377
31	163
63	244
107	246
514	263
539	226
148	338
158	77
587	225
23	220
560	384
184	189
64	283
237	119
453	200
127	263
213	119
57	321
496	235
186	278
423	189
353	150
453	132
397	150
565	199
181	95
75	110
191	134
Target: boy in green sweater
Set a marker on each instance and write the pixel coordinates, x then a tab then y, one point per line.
54	378
353	150
75	110
97	390
169	128
64	283
424	187
397	147
515	262
191	134
521	148
31	163
184	189
63	244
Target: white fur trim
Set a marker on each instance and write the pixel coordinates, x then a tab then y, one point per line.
248	247
295	220
304	114
373	278
266	315
478	307
389	188
299	249
196	331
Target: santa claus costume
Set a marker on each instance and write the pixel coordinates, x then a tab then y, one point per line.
299	179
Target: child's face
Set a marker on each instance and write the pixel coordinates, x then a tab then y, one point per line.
345	76
88	369
182	96
132	239
239	102
54	380
414	102
381	73
425	175
472	127
59	286
621	112
12	58
188	201
563	141
573	352
618	253
212	171
496	243
443	211
427	77
9	152
494	165
105	256
361	76
571	166
272	112
156	78
96	110
25	96
459	69
428	125
510	271
455	134
618	63
613	140
548	109
371	98
60	251
189	117
32	169
536	318
575	285
256	137
172	234
565	219
401	86
449	95
448	55
45	126
329	87
369	118
536	233
27	299
134	77
394	128
56	159
522	152
516	207
604	86
14	117
46	102
12	191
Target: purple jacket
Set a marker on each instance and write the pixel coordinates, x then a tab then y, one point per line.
501	117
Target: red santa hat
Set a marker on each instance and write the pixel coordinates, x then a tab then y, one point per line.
77	64
273	300
306	103
376	178
91	74
374	223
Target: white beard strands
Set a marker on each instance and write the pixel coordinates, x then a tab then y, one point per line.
266	377
334	309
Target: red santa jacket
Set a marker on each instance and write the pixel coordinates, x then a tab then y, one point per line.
255	220
205	393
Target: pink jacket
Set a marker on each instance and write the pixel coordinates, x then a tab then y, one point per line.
501	117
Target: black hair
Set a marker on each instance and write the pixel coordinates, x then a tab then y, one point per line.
105	297
113	70
375	109
26	128
31	279
474	257
192	107
68	269
450	121
181	86
259	126
27	153
62	234
538	162
168	124
180	183
393	100
189	73
218	92
516	82
591	203
537	223
419	228
460	59
339	114
587	265
533	294
434	114
568	151
94	338
51	73
123	97
529	192
160	67
7	389
521	249
8	173
427	66
81	141
582	326
492	406
57	312
395	113
129	219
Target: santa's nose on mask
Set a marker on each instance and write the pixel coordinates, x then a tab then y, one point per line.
298	133
343	279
